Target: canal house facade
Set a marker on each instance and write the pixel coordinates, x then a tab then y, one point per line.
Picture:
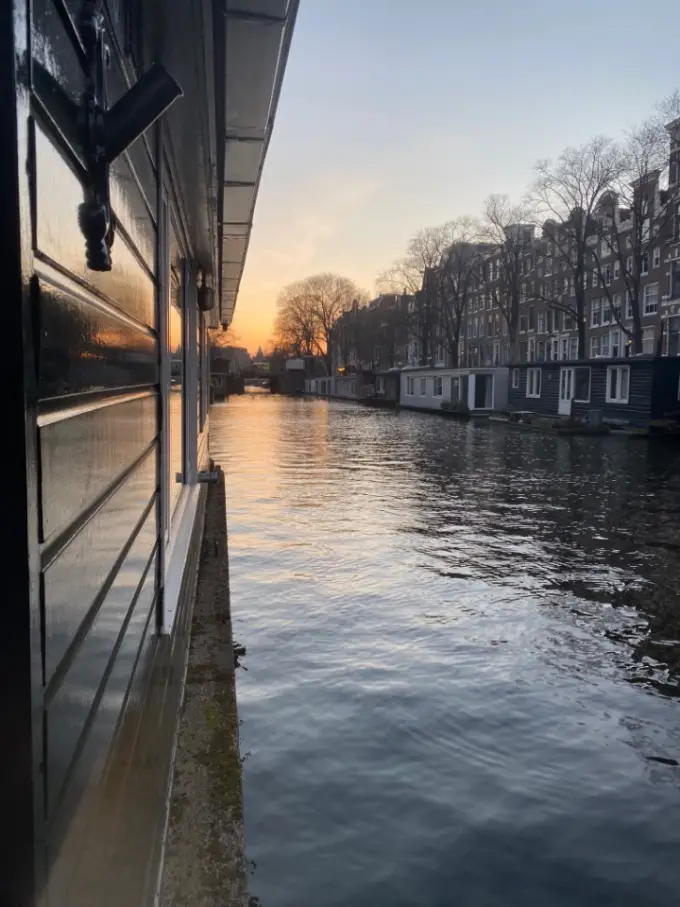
134	134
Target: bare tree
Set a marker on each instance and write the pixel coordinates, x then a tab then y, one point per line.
564	198
632	219
414	274
456	280
309	311
508	229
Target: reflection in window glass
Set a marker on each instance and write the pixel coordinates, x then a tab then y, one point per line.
199	375
176	395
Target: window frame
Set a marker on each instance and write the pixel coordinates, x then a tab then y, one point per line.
534	381
438	386
423	386
515	379
618	399
653	311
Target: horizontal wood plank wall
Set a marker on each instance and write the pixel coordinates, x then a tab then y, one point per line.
98	435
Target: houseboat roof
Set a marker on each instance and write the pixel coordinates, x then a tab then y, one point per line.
254	50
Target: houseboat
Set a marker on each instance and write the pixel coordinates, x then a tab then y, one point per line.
387	386
479	391
133	139
638	391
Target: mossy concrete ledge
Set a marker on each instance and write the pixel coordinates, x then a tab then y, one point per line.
204	860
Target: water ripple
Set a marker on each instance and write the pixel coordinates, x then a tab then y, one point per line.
463	659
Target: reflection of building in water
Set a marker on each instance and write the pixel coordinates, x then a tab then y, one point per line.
106	413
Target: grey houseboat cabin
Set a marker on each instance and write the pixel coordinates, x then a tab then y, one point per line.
636	391
133	138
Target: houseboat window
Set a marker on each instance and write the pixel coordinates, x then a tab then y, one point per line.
423	387
618	378
582	384
199	375
409	387
380	385
533	382
464	384
515	378
176	389
438	387
455	389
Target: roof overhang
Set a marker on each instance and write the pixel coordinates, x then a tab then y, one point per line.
257	40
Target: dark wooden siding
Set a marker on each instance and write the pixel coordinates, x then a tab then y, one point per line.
97	355
637	412
665	387
546	404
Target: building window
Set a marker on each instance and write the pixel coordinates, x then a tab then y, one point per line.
595	313
651	298
531	349
582	384
606	314
438	386
573	348
617	270
648	341
540	351
541	322
409	387
675	280
644	265
618	380
440	352
616	307
565	348
554	349
656	257
629	306
423	387
594	347
607	270
615	343
604	345
533	382
515	378
522	324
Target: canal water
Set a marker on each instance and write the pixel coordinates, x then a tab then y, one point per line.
463	659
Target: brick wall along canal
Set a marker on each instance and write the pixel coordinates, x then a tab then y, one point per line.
456	690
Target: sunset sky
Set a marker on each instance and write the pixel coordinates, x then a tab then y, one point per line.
397	115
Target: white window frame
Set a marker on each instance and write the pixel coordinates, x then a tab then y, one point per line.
651	311
573	348
534	380
410	387
620	370
593	340
616	332
629	306
438	386
423	387
595	310
515	378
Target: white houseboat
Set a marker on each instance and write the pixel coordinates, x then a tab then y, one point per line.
482	390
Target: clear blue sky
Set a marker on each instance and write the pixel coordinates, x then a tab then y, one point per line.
397	115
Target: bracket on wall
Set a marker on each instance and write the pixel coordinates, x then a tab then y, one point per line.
107	133
102	134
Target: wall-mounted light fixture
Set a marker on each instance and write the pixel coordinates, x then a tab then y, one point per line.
106	133
205	293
